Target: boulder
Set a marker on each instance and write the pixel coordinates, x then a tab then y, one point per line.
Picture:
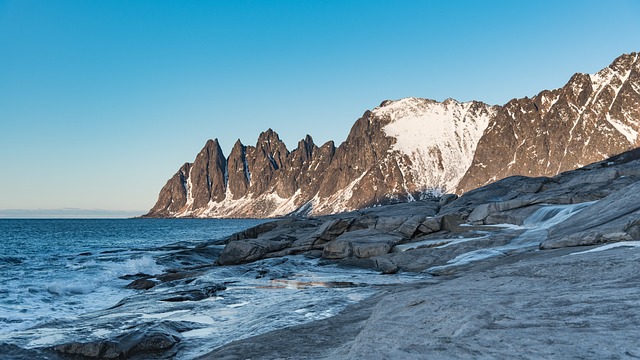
367	250
515	216
365	221
194	295
452	222
410	226
360	243
244	251
385	265
337	250
391	223
330	229
430	225
141	284
254	232
592	177
446	199
483	211
154	342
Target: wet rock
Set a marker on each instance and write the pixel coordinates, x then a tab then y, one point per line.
198	257
195	295
156	342
141	284
443	251
13	352
178	275
608	220
135	276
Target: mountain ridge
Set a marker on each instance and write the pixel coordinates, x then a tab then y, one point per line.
414	148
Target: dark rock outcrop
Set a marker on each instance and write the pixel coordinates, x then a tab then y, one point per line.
141	284
156	341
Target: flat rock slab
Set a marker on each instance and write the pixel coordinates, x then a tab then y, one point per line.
360	243
544	306
547	304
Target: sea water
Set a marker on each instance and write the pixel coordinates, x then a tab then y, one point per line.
59	268
60	280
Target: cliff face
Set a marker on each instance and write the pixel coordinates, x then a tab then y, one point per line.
414	148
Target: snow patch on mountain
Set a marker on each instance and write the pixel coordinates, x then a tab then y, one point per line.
439	139
612	80
629	132
336	202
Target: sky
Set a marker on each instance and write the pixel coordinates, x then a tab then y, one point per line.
102	101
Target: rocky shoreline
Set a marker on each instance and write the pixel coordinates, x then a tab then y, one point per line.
524	267
550	304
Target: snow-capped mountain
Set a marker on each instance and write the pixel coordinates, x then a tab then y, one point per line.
410	148
434	142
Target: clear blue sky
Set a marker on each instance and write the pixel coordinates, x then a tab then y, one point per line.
102	101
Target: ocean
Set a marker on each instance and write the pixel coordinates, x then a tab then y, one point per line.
59	268
60	280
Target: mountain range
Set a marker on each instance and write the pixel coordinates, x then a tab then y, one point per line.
413	148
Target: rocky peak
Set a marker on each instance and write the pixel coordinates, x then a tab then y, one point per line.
239	176
306	147
588	119
173	195
207	181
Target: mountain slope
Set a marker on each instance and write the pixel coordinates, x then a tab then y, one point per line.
411	148
590	118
